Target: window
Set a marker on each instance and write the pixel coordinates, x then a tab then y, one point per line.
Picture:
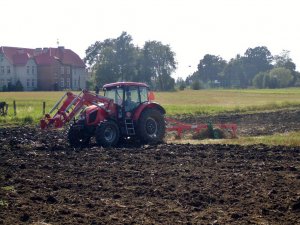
68	69
2	82
68	82
131	98
144	94
32	83
32	69
62	82
28	82
75	83
8	69
116	94
27	69
62	70
2	70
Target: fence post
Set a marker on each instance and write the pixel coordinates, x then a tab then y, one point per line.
15	108
44	107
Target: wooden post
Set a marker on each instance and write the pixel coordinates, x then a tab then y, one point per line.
44	107
15	108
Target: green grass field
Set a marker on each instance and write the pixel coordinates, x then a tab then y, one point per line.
30	104
220	101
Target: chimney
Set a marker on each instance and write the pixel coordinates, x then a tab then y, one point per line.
61	48
37	51
45	50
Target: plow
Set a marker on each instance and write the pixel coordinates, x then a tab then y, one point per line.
126	111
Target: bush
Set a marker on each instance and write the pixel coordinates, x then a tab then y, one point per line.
197	85
182	86
18	86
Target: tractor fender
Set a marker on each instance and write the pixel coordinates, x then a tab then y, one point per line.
147	105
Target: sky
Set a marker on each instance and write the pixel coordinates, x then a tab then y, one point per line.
192	28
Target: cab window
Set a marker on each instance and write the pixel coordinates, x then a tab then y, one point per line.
134	91
116	94
144	94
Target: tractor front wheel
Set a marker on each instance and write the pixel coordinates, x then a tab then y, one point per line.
151	127
77	137
107	134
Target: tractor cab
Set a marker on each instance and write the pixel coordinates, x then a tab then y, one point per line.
128	96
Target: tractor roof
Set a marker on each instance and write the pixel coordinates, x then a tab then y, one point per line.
125	84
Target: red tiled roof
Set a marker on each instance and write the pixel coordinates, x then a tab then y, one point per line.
46	56
21	59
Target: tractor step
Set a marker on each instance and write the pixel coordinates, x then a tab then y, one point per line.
129	127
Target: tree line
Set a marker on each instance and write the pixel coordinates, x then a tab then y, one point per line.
118	59
256	68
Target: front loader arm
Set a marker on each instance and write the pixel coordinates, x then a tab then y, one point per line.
70	105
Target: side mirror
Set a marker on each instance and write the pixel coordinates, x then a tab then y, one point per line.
151	96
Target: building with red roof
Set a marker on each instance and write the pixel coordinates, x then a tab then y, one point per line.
42	68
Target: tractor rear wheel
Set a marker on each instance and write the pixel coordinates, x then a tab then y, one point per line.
107	134
78	137
151	127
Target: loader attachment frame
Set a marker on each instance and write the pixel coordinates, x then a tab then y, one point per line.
70	105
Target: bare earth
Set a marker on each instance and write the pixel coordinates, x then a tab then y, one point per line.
42	179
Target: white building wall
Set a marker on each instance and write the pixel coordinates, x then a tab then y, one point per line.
27	75
78	78
7	72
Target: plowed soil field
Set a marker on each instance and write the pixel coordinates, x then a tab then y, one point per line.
45	181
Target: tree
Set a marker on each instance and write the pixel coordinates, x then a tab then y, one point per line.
259	80
4	88
283	76
284	60
19	86
256	60
210	68
126	57
113	59
158	65
234	75
180	83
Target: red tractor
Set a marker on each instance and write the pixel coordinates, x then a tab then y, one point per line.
125	111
